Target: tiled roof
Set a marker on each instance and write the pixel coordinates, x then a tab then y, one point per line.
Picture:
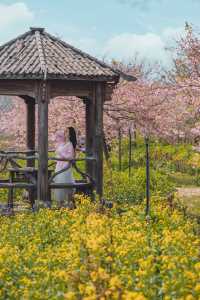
38	55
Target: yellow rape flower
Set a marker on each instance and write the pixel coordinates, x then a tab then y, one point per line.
90	290
94	275
190	275
197	266
133	296
189	297
70	296
197	288
115	282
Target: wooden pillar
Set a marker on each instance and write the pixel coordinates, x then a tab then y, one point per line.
90	120
43	99
30	129
99	96
30	138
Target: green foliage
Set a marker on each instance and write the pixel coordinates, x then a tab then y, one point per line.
121	188
170	166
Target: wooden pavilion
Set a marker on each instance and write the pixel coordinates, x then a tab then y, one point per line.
37	67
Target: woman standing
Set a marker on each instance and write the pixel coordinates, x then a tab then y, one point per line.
65	148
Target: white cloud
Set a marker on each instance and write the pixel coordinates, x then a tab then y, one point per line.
171	33
149	45
14	13
127	44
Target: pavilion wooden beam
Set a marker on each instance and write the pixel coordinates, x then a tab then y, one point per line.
70	88
18	87
43	101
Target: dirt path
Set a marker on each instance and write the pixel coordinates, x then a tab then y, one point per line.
189	192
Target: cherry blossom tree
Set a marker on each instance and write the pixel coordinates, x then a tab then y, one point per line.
184	78
163	105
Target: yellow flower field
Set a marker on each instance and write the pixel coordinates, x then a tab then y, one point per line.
85	254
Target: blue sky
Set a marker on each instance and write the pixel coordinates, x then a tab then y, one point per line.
105	28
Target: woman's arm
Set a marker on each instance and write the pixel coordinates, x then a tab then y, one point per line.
67	152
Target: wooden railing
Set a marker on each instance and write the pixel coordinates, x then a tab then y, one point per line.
11	157
20	177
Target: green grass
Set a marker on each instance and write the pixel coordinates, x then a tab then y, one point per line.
183	179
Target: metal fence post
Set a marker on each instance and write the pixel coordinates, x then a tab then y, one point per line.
147	177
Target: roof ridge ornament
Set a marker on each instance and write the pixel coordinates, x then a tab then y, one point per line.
40	29
41	53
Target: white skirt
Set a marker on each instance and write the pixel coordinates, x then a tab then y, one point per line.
61	195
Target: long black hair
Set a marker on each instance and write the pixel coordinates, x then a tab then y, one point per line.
72	136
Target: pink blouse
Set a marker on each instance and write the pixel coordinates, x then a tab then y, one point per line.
64	151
